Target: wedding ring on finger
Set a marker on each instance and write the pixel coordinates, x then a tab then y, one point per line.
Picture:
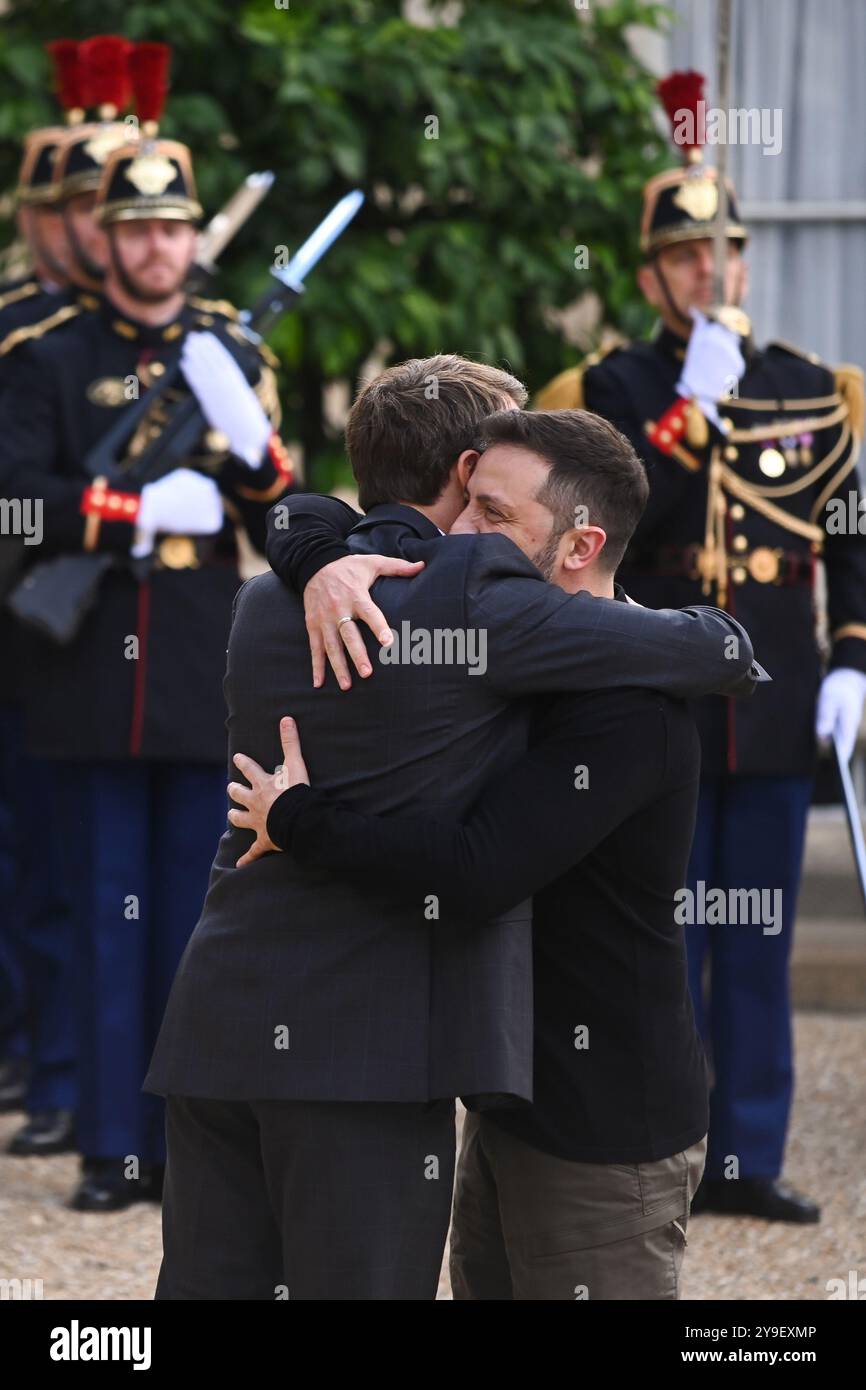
348	619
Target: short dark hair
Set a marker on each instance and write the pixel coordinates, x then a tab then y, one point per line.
592	465
411	423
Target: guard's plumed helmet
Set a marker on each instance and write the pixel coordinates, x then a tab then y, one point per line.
81	154
681	204
36	183
148	177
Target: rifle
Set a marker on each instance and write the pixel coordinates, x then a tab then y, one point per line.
226	223
212	241
56	595
186	421
729	315
852	815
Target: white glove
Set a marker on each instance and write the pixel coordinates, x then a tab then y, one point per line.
840	706
713	363
228	402
181	503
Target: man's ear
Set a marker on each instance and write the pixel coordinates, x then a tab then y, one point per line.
648	284
582	546
466	465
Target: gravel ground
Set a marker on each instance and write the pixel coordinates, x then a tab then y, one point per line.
117	1256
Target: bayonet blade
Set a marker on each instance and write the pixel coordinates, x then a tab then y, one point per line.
308	256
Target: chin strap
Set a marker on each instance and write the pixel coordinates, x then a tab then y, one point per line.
134	291
90	268
684	319
748	346
51	264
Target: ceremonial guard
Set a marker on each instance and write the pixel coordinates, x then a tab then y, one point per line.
38	215
38	1036
56	191
751	455
128	703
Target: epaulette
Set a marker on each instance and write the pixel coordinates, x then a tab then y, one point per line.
798	352
242	335
565	392
848	379
850	385
22	292
214	306
37	330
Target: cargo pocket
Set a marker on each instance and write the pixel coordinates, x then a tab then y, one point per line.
619	1202
586	1235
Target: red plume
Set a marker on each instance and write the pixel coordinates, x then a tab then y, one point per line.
681	92
105	66
68	77
148	66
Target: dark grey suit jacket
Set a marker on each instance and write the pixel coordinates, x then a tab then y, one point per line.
298	986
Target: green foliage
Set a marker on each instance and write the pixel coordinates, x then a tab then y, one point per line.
545	137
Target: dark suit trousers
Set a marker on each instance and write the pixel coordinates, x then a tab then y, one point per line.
306	1200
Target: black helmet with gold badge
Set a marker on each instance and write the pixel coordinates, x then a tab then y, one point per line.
148	177
681	204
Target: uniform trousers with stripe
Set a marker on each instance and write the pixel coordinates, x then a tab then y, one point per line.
749	834
139	840
37	1011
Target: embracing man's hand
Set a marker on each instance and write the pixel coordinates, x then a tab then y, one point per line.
336	600
258	798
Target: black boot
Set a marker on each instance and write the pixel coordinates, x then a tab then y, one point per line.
46	1132
767	1198
104	1187
14	1075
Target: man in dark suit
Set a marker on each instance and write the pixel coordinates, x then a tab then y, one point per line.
316	1036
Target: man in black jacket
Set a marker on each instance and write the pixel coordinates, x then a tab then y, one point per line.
316	1036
